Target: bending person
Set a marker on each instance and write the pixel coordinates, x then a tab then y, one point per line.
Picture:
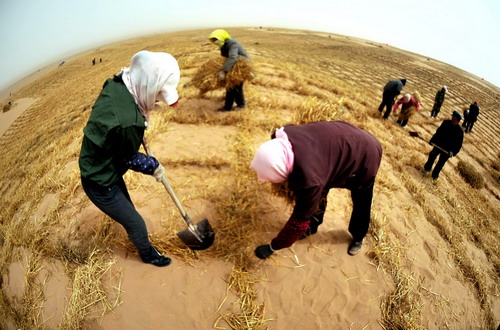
311	159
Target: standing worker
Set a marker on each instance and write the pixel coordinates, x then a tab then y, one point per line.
471	117
438	101
113	136
392	89
231	49
313	158
447	142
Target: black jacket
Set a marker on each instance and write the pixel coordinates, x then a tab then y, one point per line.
449	137
473	112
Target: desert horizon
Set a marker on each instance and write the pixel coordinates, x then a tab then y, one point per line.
431	257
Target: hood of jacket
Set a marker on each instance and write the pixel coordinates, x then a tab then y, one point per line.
220	35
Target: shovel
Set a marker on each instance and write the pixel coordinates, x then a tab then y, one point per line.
415	134
197	237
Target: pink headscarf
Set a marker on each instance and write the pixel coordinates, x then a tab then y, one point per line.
152	77
273	160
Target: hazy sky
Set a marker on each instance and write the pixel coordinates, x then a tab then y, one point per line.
463	33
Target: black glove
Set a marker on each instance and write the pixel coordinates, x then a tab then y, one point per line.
264	251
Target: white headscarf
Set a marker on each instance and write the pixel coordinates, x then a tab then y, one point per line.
274	159
152	77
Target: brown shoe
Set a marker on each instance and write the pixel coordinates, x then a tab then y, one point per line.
354	248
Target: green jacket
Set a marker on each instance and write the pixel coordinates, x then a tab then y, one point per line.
113	134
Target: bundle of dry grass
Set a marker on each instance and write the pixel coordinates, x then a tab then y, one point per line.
313	109
471	176
205	79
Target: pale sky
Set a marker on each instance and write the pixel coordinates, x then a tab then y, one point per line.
36	33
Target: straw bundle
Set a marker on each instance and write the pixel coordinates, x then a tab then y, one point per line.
407	113
471	176
205	79
314	109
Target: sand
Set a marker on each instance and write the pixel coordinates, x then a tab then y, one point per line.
314	284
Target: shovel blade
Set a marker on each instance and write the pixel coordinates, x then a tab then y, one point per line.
202	239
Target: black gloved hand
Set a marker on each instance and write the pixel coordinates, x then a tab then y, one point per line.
264	251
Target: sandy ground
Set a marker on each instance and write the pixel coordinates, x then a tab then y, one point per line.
18	107
313	285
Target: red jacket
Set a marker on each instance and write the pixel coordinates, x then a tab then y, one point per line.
412	102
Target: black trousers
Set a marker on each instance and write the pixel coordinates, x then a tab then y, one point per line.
435	109
360	216
388	102
468	125
234	94
402	122
116	203
443	158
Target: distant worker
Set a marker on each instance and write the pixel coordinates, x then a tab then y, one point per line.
409	105
438	101
391	90
311	159
93	61
447	142
466	117
471	117
113	136
231	49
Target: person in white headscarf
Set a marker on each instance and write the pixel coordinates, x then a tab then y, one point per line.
114	134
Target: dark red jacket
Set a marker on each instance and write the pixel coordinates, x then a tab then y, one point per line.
327	155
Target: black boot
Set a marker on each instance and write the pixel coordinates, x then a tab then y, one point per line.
155	258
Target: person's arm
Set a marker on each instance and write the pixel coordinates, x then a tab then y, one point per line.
435	138
140	162
396	105
128	142
458	145
306	204
232	57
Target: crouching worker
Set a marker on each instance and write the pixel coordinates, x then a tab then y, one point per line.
311	159
113	136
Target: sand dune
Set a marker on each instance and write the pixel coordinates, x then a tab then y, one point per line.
431	259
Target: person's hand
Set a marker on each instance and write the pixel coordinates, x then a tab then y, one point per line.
159	172
221	75
264	251
450	154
